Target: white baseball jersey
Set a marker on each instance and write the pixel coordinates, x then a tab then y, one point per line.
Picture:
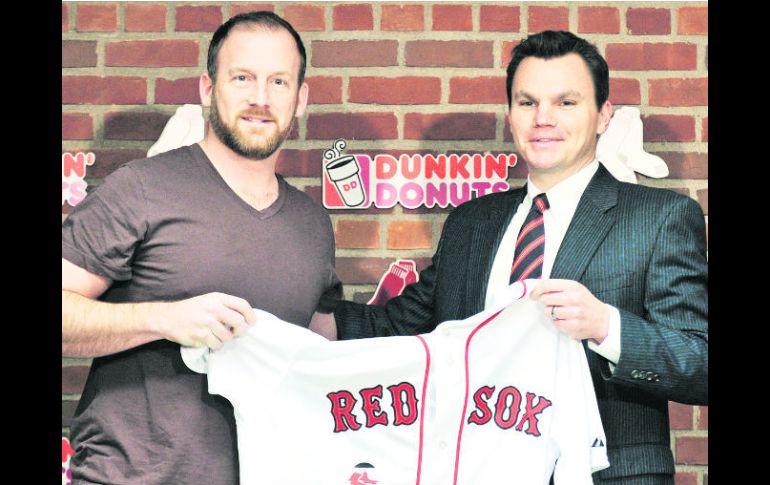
500	397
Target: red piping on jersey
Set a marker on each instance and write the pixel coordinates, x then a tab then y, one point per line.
422	405
467	382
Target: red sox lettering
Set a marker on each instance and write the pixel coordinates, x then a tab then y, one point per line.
507	411
404	413
504	409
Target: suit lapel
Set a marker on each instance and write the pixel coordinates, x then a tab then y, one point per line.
484	241
592	221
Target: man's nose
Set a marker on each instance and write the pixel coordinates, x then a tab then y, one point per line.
258	94
545	115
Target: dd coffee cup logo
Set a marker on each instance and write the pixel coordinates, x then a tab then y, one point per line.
359	181
343	170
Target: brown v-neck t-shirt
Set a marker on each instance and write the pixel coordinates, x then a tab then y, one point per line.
168	228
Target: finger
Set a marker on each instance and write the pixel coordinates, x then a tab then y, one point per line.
553	285
220	331
233	321
212	341
241	306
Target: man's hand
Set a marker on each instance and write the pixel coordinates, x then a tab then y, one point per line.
574	309
324	324
208	320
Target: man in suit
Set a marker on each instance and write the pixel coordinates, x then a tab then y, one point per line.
624	266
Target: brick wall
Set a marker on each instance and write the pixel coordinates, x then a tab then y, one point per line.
395	78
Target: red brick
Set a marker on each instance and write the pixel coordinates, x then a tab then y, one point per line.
692	450
250	7
403	18
477	90
354	53
145	17
548	18
76	126
65	18
625	91
680	416
679	92
96	18
598	20
78	53
508	46
499	18
152	53
352	17
705	129
67	412
648	21
300	163
198	18
305	17
324	89
703	419
693	21
452	17
106	160
686	478
685	165
669	128
103	90
449	126
361	271
398	90
73	378
351	126
177	91
449	53
678	56
357	234
134	126
410	235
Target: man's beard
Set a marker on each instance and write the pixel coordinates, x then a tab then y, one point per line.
239	144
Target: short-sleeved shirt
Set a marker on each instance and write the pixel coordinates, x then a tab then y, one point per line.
169	228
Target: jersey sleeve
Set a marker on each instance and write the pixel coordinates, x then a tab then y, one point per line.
103	231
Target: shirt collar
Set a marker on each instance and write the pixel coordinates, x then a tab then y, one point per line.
566	193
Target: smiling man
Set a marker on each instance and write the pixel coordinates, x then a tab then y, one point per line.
624	266
177	249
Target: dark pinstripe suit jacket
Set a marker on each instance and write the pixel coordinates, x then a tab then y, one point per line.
637	248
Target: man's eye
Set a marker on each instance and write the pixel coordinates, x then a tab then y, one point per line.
280	82
240	77
568	102
526	103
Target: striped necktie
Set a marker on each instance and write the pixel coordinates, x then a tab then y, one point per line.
530	245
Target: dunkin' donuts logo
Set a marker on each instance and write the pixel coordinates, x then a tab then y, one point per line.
73	173
358	181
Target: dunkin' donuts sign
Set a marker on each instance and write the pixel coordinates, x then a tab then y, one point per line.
357	181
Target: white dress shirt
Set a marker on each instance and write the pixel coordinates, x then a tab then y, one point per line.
563	199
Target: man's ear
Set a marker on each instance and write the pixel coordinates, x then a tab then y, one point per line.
205	88
302	96
605	114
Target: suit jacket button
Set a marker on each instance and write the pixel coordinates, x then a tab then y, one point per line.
635	374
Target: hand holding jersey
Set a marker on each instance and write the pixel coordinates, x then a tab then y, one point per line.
573	309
